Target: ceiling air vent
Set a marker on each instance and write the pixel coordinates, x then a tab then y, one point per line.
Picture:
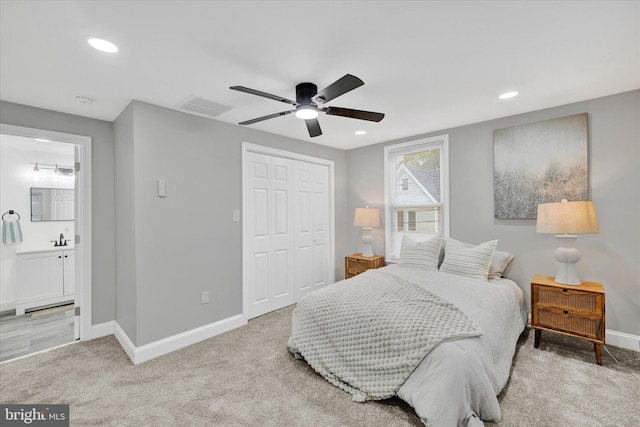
203	107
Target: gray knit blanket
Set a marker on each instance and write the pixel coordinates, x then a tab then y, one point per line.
366	335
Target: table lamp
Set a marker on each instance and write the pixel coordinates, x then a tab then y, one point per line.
367	218
565	219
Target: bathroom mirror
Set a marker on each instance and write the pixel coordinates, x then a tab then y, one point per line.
52	204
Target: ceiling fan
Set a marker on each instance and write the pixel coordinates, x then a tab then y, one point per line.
309	102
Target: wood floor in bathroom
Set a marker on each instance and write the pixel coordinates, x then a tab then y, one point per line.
35	331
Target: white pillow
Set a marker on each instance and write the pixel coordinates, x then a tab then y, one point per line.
472	262
423	254
499	262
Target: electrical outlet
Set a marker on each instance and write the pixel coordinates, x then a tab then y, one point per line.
205	297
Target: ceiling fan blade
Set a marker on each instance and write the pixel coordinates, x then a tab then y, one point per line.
263	94
313	126
354	114
270	116
337	88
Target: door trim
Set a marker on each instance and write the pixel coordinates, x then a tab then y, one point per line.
261	149
83	218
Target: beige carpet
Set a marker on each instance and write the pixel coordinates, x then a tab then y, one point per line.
247	377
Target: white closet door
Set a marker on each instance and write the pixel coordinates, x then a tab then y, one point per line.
270	237
312	213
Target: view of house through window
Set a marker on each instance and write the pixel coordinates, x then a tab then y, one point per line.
416	192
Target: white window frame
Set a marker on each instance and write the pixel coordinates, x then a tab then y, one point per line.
440	141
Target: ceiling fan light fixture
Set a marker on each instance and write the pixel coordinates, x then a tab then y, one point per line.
306	112
307	99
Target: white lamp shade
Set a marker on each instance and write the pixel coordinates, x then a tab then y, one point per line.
366	218
567	217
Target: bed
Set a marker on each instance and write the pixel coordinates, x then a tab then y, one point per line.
374	336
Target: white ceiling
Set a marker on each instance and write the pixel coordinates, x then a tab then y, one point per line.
428	65
21	143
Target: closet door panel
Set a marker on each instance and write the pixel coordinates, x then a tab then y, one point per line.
312	224
270	273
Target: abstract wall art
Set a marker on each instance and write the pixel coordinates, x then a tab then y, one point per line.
540	162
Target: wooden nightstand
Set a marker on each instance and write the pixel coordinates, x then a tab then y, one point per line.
356	264
575	311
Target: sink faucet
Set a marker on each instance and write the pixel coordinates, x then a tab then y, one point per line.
62	242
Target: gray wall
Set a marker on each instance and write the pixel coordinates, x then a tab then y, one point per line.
186	243
611	257
101	132
125	214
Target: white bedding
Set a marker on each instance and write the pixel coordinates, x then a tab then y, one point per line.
457	383
368	336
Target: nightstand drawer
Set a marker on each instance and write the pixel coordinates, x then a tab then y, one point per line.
570	299
356	264
566	321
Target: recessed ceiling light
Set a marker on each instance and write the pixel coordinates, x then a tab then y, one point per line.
361	132
103	45
84	100
43	140
508	95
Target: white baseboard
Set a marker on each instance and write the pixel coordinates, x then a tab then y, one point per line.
102	329
125	342
622	339
7	305
167	345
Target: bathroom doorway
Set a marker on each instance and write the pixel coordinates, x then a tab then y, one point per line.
67	250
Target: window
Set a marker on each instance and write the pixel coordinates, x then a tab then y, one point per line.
416	192
423	219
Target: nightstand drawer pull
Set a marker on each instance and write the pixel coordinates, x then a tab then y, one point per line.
565	311
565	290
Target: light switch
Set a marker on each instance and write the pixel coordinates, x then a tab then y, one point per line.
236	215
162	188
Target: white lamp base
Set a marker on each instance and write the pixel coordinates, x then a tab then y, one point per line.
567	255
367	239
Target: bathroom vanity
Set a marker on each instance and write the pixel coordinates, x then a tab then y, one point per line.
44	277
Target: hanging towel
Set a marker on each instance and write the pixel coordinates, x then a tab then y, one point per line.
11	231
